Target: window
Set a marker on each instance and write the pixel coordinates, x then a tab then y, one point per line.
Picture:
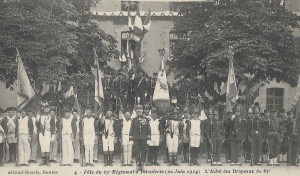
174	38
275	99
129	5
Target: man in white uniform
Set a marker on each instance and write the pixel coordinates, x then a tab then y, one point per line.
34	138
54	144
126	144
9	123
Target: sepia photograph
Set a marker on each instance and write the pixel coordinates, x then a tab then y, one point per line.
149	87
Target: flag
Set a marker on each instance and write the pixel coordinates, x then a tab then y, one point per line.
223	88
216	88
129	54
59	86
45	89
99	95
147	22
25	92
69	93
138	29
231	90
161	97
130	21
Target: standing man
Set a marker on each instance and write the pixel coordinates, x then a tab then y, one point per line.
108	130
66	137
2	139
46	135
247	142
265	131
75	132
237	136
140	132
125	123
284	138
9	124
206	124
34	137
54	144
215	135
293	133
87	134
185	137
255	136
97	138
227	125
274	138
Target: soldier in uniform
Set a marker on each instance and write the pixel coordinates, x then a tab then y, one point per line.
24	131
265	131
215	133
206	123
108	130
140	87
185	137
293	134
88	127
75	132
173	137
66	137
97	138
54	144
194	131
274	138
284	143
107	85
140	132
2	139
34	138
227	125
9	125
156	137
255	137
237	136
46	135
247	141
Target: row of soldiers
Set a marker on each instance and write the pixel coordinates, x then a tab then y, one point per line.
141	133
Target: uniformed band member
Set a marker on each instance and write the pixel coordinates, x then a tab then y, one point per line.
227	125
34	138
156	138
140	132
255	137
293	134
195	134
126	143
54	143
185	137
65	135
9	124
87	134
24	130
46	135
76	136
215	133
237	136
173	137
108	130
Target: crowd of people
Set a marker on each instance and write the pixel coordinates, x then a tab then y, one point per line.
268	137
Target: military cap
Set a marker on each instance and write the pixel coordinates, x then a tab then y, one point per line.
289	112
74	110
273	112
282	111
139	107
29	110
229	113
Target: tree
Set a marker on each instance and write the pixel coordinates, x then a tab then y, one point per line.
55	39
260	32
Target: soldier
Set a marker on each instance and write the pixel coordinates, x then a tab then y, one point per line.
206	123
97	138
2	139
284	143
87	127
195	134
237	136
54	144
9	125
265	131
108	130
66	137
173	137
274	139
215	133
185	137
293	131
75	132
255	137
107	86
46	135
247	141
156	138
34	138
227	125
24	130
140	87
126	144
139	133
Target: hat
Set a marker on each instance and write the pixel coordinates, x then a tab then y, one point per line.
146	106
154	109
250	111
210	111
196	111
273	112
216	112
139	107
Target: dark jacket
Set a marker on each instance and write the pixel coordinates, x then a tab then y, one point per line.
215	129
140	128
238	129
293	126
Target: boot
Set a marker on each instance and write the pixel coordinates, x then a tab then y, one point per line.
155	160
138	167
43	161
170	160
175	161
105	159
142	166
48	160
110	160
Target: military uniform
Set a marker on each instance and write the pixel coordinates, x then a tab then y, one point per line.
206	124
2	142
265	142
227	125
293	134
125	125
34	140
65	133
185	138
55	143
274	139
140	132
284	139
107	86
76	136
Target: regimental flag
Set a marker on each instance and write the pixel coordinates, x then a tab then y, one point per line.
147	22
25	92
69	93
130	21
129	54
231	92
161	97
99	95
138	29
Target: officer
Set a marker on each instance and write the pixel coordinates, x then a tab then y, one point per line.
274	138
227	125
293	133
139	133
215	133
237	136
255	137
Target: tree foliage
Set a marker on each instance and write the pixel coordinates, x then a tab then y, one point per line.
259	31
